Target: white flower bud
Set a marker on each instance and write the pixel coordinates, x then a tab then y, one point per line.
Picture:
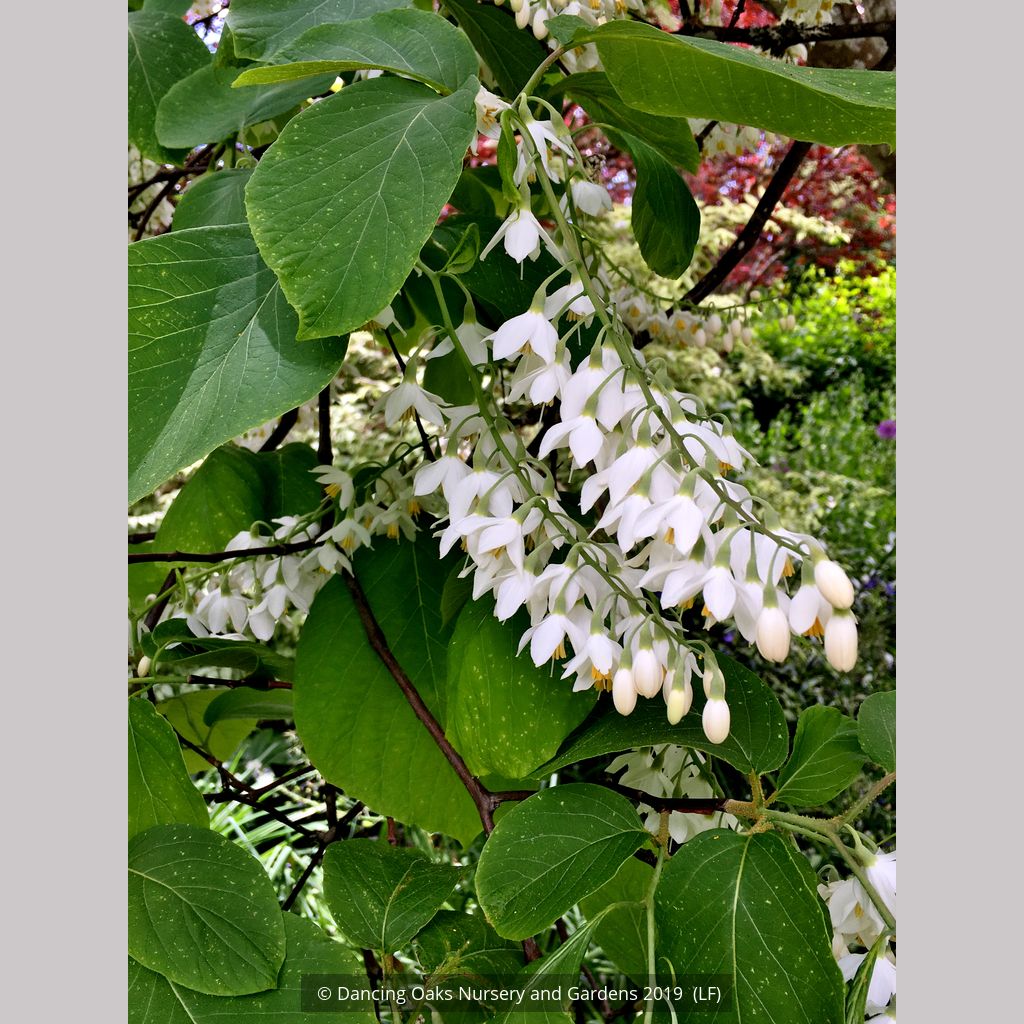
678	702
833	583
700	338
773	634
646	672
144	666
540	28
735	328
841	642
747	335
624	691
713	324
523	16
716	719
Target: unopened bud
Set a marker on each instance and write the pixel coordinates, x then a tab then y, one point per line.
841	642
624	691
678	702
716	720
144	666
646	672
834	584
773	634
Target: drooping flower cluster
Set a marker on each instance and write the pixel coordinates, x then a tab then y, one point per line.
252	595
857	922
659	526
670	772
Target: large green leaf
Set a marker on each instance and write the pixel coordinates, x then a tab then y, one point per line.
876	726
153	999
379	895
741	906
204	107
202	912
512	55
464	944
670	136
505	715
213	199
261	27
159	789
212	349
247	703
552	850
681	76
758	739
162	49
342	203
414	44
187	712
826	758
666	220
178	650
622	932
353	720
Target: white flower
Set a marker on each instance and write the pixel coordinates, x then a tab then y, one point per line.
881	872
547	640
528	332
538	378
679	698
809	611
542	134
833	583
773	633
349	535
647	675
444	472
580	306
881	987
679	516
582	434
489	109
522	236
841	641
337	483
219	606
590	198
624	691
715	719
409	397
852	913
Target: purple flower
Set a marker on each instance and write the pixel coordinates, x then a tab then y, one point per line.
886	429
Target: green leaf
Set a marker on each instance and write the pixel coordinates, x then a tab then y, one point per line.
162	50
512	55
478	193
205	108
173	645
212	349
550	851
202	912
262	27
622	932
670	136
289	485
379	895
508	715
857	996
826	758
538	1003
353	720
186	713
679	76
342	203
246	703
876	728
455	943
213	199
159	789
178	7
666	220
758	740
154	1000
415	44
565	26
741	906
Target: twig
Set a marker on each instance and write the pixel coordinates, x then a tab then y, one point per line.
737	13
281	431
223	556
427	447
332	835
141	537
481	796
324	451
751	233
788	33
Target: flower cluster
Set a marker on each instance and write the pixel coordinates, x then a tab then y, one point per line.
659	524
857	922
671	772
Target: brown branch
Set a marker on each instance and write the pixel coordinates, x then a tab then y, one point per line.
332	835
141	537
255	684
788	33
223	556
751	233
481	796
281	431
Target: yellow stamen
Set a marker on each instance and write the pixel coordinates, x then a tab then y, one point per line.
670	536
688	603
559	651
817	629
393	531
333	490
602	681
787	567
724	467
348	542
413	507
